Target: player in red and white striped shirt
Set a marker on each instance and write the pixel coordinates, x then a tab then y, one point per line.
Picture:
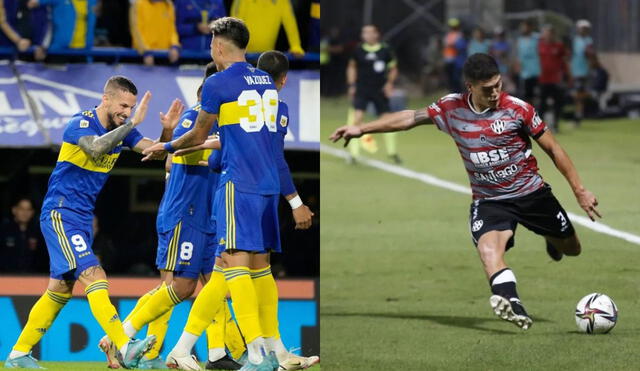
492	131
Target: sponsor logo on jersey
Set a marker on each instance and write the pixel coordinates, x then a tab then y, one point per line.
283	121
495	176
186	123
84	124
477	225
498	126
489	158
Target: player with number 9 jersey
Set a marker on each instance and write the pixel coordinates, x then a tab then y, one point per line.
246	102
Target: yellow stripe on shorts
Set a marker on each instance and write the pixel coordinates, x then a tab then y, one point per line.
172	254
56	219
231	219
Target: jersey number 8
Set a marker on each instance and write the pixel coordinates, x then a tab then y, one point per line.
262	110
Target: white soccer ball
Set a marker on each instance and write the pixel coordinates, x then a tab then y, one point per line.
596	314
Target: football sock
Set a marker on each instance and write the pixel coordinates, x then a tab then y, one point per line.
158	327
215	332
216	353
391	142
245	306
503	283
41	317
143	299
158	304
267	293
207	303
105	313
185	344
232	337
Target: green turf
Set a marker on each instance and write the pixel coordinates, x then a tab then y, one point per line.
99	366
402	287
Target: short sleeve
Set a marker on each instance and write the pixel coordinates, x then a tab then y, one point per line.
211	98
77	128
132	138
533	124
437	114
185	123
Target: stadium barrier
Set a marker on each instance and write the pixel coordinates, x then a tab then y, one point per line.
37	100
75	333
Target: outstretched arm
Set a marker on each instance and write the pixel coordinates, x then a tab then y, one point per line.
585	198
397	121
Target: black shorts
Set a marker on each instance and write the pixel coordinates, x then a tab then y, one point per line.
363	96
539	212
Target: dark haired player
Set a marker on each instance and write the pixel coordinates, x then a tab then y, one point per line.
244	101
92	142
492	131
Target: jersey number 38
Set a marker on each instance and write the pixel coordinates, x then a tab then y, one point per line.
262	110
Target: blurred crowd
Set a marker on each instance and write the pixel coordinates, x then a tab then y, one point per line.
537	63
34	27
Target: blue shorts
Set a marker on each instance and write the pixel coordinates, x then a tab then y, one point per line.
69	246
246	221
186	251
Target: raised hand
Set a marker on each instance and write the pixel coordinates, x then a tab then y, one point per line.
154	151
346	132
141	111
171	118
211	143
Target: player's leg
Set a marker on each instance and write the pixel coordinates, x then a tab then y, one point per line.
41	317
158	328
355	116
492	225
130	351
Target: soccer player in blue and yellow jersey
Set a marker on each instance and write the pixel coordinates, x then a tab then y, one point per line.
186	251
92	142
244	100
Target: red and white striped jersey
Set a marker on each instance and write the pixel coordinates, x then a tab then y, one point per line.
495	144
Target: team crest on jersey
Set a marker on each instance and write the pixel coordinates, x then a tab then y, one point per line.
477	225
186	123
283	121
222	242
84	124
498	126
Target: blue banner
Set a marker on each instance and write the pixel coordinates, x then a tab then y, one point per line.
36	100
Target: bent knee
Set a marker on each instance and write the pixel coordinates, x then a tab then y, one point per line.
184	290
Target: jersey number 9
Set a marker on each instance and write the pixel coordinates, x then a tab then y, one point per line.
262	110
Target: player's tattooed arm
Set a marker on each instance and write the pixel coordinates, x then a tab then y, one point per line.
96	146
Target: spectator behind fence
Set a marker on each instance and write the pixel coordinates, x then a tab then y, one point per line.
112	24
454	54
23	27
20	244
192	21
582	51
73	23
500	49
553	70
263	18
153	26
478	43
528	61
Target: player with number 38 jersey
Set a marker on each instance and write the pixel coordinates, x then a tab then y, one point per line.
246	101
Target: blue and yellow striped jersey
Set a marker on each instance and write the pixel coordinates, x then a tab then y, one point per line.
77	179
246	102
188	196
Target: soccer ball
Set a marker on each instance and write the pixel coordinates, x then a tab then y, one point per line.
596	314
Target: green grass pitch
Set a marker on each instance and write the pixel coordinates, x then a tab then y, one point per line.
402	287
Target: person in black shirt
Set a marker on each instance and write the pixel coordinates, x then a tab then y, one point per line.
20	243
370	75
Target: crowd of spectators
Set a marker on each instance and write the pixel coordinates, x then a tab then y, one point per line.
36	27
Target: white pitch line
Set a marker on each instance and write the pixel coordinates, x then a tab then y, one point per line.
432	180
